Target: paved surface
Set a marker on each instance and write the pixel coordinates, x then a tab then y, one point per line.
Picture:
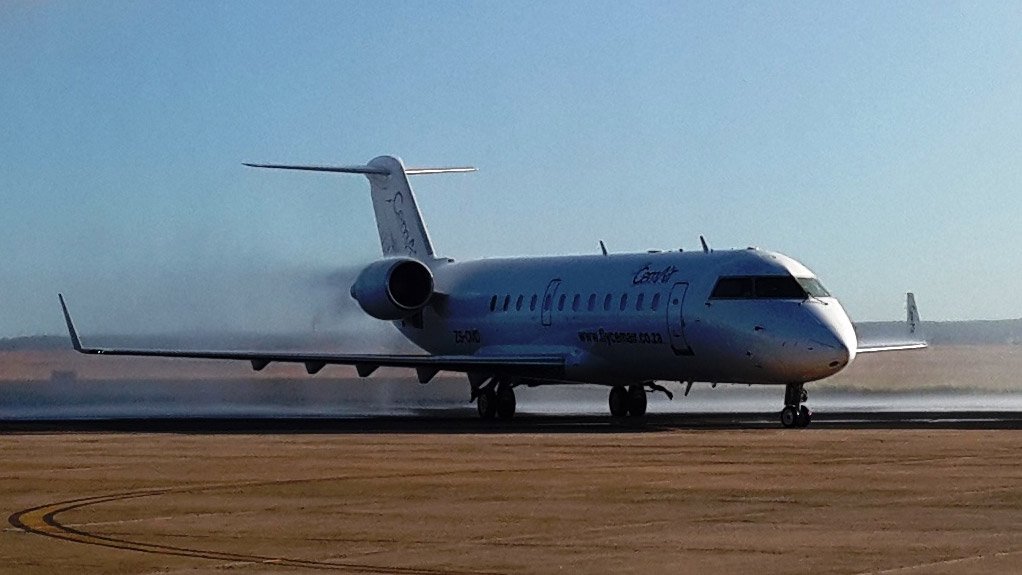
456	422
430	494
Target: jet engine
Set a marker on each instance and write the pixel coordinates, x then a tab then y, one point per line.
393	289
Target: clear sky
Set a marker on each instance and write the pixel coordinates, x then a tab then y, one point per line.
880	143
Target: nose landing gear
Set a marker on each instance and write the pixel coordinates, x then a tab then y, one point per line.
794	413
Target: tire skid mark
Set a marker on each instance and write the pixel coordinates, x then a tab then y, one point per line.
42	520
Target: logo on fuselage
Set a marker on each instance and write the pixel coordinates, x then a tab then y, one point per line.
648	275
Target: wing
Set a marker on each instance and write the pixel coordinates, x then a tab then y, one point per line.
426	366
873	348
910	341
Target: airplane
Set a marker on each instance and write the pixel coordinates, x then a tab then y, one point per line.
625	321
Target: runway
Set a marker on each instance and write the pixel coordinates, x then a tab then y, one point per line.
430	489
448	421
434	494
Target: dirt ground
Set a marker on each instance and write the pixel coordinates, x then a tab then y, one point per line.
699	501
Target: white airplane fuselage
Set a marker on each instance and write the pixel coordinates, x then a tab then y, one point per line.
621	319
624	320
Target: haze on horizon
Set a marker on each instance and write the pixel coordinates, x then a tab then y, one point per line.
877	143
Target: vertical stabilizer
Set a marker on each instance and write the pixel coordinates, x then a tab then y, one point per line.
402	231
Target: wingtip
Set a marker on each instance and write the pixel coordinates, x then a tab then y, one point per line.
76	343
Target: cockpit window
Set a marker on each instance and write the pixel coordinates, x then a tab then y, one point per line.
779	287
733	288
813	287
759	287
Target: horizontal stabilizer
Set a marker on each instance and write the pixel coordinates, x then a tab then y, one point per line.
451	170
368	170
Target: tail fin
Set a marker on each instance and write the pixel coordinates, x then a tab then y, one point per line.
402	231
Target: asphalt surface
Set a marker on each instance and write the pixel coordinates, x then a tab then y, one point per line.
523	423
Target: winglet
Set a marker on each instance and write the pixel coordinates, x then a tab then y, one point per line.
75	342
913	312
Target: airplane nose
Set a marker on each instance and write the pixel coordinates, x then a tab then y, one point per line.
836	351
828	346
838	341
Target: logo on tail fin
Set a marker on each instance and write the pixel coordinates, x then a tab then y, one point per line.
396	203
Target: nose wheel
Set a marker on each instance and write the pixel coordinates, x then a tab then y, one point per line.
794	413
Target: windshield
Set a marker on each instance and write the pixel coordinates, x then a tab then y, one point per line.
759	287
813	287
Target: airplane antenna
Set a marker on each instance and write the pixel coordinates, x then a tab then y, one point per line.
603	247
706	248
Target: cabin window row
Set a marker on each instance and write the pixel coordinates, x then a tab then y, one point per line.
606	302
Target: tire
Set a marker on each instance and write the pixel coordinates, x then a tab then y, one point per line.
506	402
618	401
486	404
805	416
789	416
637	401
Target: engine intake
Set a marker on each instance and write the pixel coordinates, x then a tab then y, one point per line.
393	289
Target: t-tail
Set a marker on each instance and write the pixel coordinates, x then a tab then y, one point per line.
402	230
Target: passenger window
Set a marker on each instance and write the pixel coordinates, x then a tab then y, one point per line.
624	301
518	304
638	301
655	303
532	303
575	301
560	302
493	303
507	301
731	288
592	301
606	302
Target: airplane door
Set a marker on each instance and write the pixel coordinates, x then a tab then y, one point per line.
548	300
676	319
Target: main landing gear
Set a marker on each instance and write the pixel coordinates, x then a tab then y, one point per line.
499	402
630	401
794	413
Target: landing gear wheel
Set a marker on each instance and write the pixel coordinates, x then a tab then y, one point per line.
637	401
618	401
486	403
805	415
506	402
789	416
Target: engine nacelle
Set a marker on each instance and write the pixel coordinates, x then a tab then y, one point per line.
393	289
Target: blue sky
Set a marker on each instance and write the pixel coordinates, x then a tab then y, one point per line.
878	143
